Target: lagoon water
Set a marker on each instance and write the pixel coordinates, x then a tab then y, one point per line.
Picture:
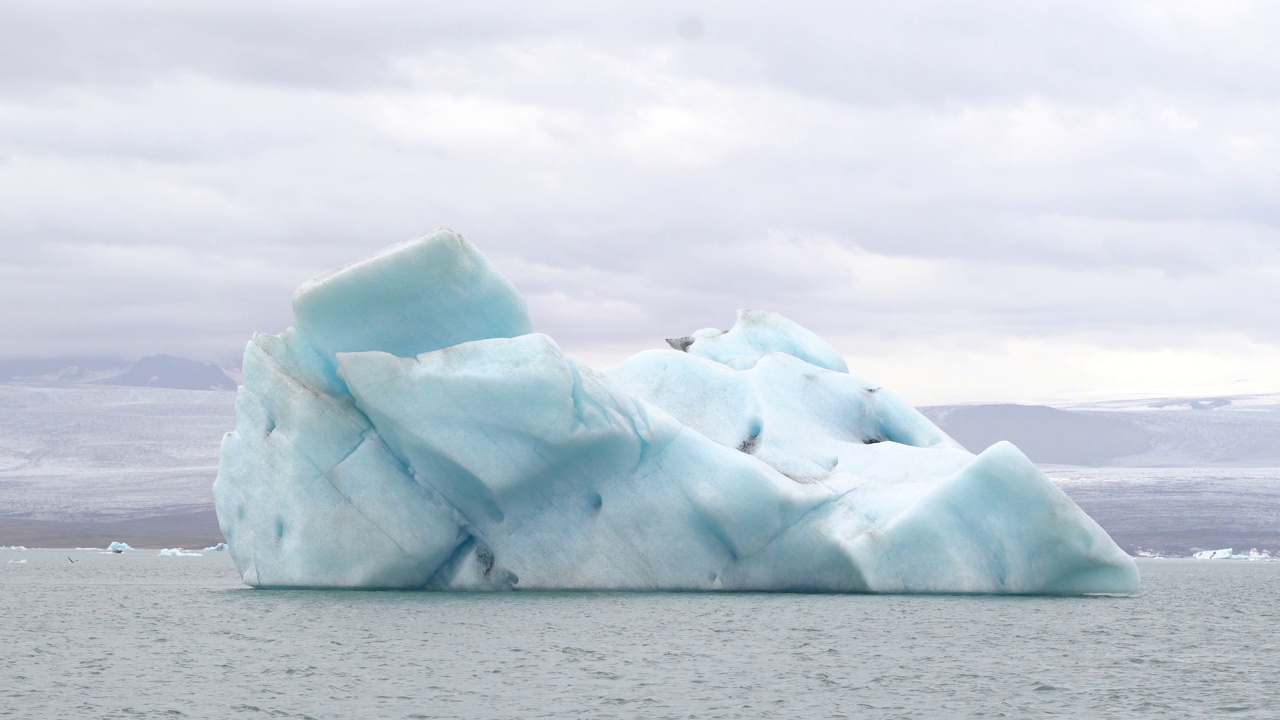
139	636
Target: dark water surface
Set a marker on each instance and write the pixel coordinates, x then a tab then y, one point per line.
140	636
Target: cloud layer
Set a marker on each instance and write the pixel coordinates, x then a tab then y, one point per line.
971	200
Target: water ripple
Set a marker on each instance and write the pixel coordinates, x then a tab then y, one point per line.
136	636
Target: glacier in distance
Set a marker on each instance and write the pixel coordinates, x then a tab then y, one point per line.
412	431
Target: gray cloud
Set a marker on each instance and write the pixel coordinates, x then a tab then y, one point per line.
919	173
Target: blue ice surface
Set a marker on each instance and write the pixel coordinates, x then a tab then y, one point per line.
413	432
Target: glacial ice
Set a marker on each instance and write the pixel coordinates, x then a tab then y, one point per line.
220	547
1223	554
114	546
178	552
411	431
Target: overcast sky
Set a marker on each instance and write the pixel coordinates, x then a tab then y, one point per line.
972	201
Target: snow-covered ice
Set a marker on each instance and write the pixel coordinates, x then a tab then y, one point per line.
178	552
1223	554
413	432
1254	555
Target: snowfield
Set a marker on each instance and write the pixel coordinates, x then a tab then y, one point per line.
93	453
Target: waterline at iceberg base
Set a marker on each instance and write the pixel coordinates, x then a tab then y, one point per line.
412	431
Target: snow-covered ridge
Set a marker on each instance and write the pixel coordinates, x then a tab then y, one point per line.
413	432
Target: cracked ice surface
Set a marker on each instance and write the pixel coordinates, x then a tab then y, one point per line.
413	432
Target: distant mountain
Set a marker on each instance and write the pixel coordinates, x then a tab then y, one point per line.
1045	434
166	371
1168	433
159	371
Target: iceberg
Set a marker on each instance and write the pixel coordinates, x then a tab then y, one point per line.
118	547
1223	554
220	547
412	431
178	552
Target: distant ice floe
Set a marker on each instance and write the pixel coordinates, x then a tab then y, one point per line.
13	547
18	562
118	547
220	547
1223	554
1254	554
178	552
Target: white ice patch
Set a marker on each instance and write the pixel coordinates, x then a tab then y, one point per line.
412	432
178	552
1223	554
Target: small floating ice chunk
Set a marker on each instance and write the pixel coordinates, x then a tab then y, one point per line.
118	547
18	562
178	552
220	547
1223	554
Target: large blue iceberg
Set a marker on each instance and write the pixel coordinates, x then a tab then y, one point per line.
412	431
